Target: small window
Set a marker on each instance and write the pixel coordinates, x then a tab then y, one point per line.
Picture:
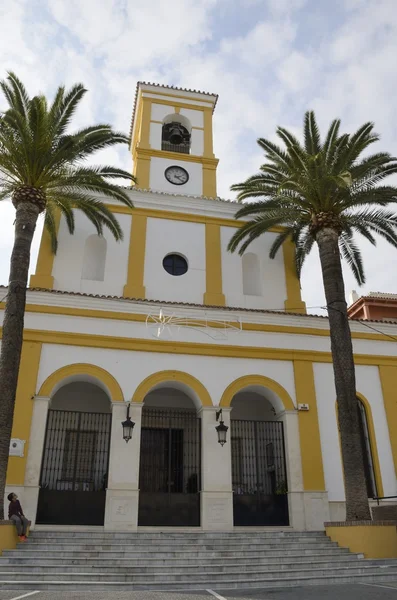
94	259
175	264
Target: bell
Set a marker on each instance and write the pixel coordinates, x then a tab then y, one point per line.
176	136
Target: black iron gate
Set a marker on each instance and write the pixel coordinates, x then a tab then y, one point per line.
259	473
74	469
169	473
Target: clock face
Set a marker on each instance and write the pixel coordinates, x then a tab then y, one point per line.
176	175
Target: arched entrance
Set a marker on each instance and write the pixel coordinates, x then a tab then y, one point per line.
170	457
75	460
259	474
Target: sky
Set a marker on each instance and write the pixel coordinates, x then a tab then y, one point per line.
269	61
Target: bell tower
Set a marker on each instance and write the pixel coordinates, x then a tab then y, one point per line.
171	140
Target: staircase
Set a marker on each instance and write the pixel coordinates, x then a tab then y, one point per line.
95	560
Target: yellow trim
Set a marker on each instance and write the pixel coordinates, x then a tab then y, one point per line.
47	389
134	287
208	141
194	158
42	277
309	431
374	541
256	380
141	172
194	349
294	302
388	379
372	440
177	110
169	376
177	96
180	216
137	124
209	181
144	139
123	316
29	369
213	266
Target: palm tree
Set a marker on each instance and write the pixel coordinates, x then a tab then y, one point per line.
42	170
325	191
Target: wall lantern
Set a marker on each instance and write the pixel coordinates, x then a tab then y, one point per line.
221	428
127	426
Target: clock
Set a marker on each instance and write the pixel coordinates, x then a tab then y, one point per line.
176	175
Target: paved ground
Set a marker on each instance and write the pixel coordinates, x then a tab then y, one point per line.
386	591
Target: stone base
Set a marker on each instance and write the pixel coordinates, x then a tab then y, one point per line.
217	511
308	510
121	513
374	539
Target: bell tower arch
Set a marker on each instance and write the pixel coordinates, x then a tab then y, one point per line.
171	140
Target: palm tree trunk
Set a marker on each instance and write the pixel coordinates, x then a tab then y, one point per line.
11	343
357	506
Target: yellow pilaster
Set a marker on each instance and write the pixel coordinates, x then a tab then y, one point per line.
309	432
208	141
43	278
144	137
134	287
141	171
28	372
294	302
388	379
209	180
213	264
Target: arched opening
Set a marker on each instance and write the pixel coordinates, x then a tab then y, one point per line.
94	259
259	475
176	134
252	285
75	460
170	458
366	446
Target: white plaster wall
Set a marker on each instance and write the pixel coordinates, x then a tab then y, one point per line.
272	274
158	181
68	262
167	237
155	136
326	396
131	368
368	384
196	117
160	111
197	142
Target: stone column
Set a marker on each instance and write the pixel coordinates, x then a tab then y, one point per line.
122	494
293	463
35	456
216	473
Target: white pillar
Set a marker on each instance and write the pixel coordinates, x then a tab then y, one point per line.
216	473
122	495
35	455
293	462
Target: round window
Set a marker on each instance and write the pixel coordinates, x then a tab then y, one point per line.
175	264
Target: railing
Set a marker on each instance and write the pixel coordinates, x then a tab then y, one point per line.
181	148
377	498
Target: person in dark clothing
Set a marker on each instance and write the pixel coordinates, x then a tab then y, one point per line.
15	514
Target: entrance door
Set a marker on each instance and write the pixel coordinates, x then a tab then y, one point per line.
74	470
258	473
169	474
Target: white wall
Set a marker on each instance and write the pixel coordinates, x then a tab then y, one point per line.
166	237
158	181
368	384
272	276
68	262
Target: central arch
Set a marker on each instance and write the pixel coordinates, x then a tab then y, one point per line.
177	379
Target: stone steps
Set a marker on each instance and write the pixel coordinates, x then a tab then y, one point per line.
78	561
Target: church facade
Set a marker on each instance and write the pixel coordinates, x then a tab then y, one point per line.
211	356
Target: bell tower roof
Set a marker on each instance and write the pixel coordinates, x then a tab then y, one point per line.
146	88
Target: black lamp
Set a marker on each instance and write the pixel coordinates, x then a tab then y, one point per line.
221	428
127	426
